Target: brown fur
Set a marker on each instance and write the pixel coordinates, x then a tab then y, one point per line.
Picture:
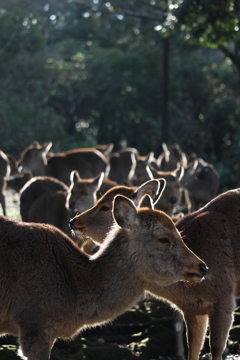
200	182
122	163
213	234
13	164
50	289
47	200
171	157
171	196
17	181
89	162
129	168
4	173
83	192
96	221
142	172
106	185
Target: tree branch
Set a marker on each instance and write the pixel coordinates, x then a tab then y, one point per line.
122	11
234	58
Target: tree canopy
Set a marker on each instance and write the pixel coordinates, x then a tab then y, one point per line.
86	72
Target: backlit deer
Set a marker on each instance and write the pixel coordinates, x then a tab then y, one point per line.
171	196
105	149
43	199
17	181
122	164
105	186
200	183
83	192
13	164
127	167
89	162
142	172
98	220
4	173
213	234
50	289
171	157
47	200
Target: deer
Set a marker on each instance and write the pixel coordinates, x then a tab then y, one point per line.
171	196
89	162
82	193
127	167
4	174
51	289
212	233
200	182
171	158
122	165
99	216
142	172
17	181
46	199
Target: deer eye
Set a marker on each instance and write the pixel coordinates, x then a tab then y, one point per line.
164	240
104	208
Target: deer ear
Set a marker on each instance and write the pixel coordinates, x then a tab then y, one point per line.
46	147
124	212
179	171
98	181
148	158
166	151
153	188
74	177
146	201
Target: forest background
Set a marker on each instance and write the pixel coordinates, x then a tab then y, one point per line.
132	73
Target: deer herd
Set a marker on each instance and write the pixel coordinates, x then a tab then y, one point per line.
100	230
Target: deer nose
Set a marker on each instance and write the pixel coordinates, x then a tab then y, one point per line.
72	205
203	269
71	222
173	199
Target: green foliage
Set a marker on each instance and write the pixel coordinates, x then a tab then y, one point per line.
92	78
19	32
212	23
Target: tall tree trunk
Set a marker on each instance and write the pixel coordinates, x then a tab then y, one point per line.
165	94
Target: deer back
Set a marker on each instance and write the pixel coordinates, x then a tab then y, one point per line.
89	162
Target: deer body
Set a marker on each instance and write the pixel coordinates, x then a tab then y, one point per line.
127	167
89	162
122	165
45	199
213	234
51	289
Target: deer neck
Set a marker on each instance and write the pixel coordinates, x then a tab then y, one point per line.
115	283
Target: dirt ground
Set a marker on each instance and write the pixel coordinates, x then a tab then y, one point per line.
145	332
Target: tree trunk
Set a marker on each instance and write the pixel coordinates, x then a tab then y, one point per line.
165	95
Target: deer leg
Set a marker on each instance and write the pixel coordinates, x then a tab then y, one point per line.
3	203
35	345
196	327
220	322
179	329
